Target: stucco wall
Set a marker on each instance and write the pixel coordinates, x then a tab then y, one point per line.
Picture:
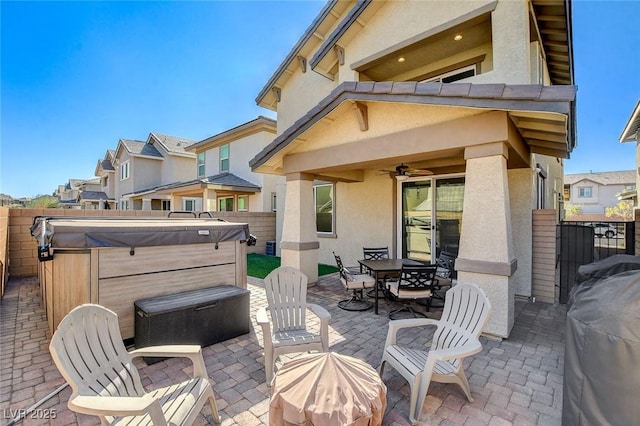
22	253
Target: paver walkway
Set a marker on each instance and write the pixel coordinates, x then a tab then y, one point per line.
514	381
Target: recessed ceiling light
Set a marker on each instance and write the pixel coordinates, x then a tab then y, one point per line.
457	37
401	59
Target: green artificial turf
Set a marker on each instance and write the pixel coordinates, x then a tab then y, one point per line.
259	265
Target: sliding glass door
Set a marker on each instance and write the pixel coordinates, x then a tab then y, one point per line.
431	217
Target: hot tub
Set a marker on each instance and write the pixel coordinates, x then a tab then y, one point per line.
116	261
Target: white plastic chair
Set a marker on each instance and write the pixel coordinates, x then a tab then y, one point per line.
286	290
465	313
88	350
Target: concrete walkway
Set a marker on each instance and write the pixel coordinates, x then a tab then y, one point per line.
515	381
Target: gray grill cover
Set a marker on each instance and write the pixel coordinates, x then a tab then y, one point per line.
84	233
602	354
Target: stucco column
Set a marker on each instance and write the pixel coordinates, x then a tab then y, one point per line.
209	200
146	204
486	255
299	245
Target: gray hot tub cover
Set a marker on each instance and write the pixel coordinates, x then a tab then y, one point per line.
602	354
86	232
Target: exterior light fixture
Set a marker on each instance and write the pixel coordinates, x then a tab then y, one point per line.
401	59
457	37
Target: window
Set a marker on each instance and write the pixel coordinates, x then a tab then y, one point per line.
166	205
243	203
323	197
190	204
273	201
225	204
124	204
455	75
224	158
201	170
584	192
124	170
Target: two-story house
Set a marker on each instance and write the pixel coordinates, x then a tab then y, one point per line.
593	192
80	194
413	124
106	172
224	181
143	167
631	133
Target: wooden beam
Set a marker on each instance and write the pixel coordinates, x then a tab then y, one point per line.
360	110
551	137
340	52
277	92
303	63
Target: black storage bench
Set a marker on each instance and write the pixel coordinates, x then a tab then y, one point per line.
202	317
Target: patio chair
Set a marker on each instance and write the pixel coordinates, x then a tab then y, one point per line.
376	253
415	282
353	280
444	276
286	290
88	350
465	313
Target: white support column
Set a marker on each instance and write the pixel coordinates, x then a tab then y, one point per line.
146	204
486	255
299	245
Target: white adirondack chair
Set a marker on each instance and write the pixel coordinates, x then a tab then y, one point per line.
88	350
465	313
286	290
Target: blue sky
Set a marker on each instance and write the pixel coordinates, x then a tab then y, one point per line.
78	76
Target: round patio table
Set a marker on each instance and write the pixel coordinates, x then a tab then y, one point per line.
327	389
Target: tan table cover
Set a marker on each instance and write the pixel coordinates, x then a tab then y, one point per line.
327	389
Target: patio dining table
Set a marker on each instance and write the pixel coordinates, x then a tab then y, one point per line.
382	267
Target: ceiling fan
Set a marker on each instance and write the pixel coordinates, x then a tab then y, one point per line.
404	170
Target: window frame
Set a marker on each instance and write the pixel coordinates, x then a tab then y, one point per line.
125	170
223	158
582	190
246	205
322	184
233	206
201	164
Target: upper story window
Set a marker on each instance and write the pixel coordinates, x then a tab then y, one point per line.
224	158
585	192
455	75
125	170
201	170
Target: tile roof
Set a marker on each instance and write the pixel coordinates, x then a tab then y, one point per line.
106	165
173	143
603	178
223	179
93	196
141	148
525	97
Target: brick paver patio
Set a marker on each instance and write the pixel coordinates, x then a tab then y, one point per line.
515	381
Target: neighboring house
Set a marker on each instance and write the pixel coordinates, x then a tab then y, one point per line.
594	192
424	126
143	167
631	133
224	181
107	174
79	194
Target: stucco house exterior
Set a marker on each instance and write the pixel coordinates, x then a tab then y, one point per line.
631	133
143	167
106	172
424	126
595	191
80	194
223	179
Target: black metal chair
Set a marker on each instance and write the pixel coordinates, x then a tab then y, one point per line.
355	281
445	273
414	282
376	253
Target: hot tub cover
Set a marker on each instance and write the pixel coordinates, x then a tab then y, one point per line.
89	232
327	389
602	354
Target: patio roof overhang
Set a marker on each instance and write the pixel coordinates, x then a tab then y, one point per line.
223	182
534	118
